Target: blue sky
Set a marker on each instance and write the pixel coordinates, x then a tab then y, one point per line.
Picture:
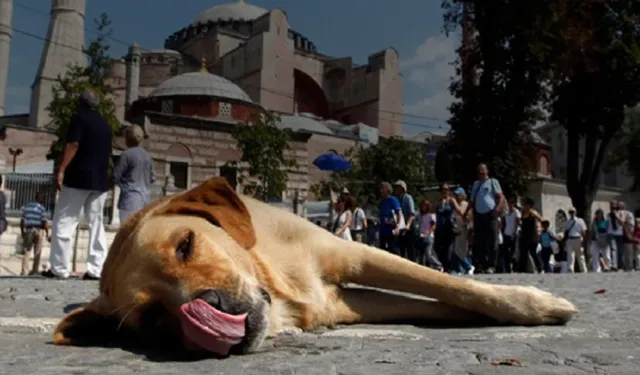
338	28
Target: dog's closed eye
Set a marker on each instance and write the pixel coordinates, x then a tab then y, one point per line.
185	247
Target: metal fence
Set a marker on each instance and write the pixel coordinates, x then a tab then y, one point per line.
21	188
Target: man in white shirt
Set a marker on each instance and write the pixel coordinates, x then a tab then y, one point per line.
625	260
615	234
358	225
511	224
575	229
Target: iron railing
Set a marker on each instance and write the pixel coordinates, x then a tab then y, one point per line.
21	188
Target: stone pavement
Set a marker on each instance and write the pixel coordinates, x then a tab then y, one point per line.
603	339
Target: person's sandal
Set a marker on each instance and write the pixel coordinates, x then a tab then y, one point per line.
87	276
49	275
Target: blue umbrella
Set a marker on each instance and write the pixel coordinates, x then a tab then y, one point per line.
332	162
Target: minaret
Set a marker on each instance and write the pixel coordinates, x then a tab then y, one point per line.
65	41
6	9
133	76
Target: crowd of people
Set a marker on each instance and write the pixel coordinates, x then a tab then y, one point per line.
484	232
481	232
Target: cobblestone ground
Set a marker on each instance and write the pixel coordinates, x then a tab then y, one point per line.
603	339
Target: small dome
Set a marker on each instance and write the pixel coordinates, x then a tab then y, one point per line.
200	83
239	11
303	123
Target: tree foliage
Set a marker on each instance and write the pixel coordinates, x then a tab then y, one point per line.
497	90
390	160
579	59
626	146
76	79
593	52
267	150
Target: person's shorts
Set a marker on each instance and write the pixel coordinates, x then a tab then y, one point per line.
31	236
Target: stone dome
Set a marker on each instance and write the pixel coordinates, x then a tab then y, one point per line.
239	11
200	84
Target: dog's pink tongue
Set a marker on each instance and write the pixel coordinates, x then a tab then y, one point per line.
211	329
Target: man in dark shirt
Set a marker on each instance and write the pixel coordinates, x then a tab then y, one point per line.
82	180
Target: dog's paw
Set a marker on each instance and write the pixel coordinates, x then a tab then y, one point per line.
528	305
290	331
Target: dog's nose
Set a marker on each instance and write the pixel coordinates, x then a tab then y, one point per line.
215	298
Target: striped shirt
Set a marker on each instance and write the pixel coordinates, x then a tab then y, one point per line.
34	215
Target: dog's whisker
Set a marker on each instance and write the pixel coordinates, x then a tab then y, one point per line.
124	317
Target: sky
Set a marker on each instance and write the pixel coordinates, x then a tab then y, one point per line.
338	28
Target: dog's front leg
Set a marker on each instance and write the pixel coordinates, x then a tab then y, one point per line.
349	305
350	262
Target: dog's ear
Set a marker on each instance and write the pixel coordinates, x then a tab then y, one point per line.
87	325
216	201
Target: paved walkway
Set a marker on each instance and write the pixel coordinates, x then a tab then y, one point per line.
603	339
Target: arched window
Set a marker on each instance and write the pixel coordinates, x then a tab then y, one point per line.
561	218
543	165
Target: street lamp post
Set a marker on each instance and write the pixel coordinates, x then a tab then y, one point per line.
15	152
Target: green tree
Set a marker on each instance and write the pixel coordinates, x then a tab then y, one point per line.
390	160
76	79
267	150
627	146
594	54
497	89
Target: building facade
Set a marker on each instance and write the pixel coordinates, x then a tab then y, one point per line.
254	61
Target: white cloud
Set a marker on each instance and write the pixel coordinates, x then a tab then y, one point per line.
430	70
433	49
435	106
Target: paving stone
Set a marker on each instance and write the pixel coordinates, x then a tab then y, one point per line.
603	339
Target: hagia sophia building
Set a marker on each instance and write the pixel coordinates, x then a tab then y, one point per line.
233	62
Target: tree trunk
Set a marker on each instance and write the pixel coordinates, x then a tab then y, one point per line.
583	180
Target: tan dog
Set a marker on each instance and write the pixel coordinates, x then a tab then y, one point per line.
216	271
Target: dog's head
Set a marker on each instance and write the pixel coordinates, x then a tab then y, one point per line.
179	271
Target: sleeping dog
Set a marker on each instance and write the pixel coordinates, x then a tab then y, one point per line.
214	271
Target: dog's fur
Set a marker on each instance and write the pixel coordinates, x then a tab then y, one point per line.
245	247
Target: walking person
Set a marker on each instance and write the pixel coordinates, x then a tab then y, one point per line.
426	256
343	218
459	252
34	228
628	231
547	238
407	235
134	174
82	180
390	217
359	225
510	232
615	235
3	215
599	242
575	229
487	202
445	227
529	239
636	246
